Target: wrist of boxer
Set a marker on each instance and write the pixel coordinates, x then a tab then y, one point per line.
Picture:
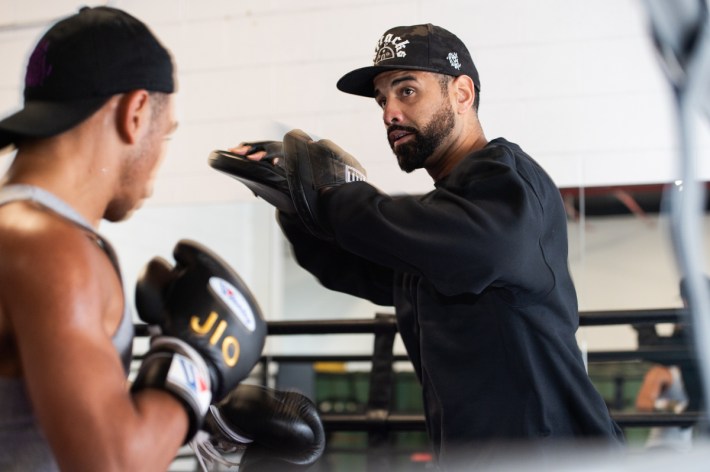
213	452
173	366
219	427
218	442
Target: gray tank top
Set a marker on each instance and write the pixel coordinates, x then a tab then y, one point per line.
22	444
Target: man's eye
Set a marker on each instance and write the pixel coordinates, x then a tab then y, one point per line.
407	91
381	103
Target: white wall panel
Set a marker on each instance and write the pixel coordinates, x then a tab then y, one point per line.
574	82
586	127
37	11
14	50
565	79
482	23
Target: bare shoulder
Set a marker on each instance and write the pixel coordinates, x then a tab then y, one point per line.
35	241
51	270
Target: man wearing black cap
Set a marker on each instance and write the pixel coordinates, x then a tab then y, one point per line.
476	269
98	109
97	113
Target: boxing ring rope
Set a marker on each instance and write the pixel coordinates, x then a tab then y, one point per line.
370	326
660	355
379	419
386	325
658	315
409	422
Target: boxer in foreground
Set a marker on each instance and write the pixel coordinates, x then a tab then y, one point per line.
97	114
476	268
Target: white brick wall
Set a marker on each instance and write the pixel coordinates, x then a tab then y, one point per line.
575	82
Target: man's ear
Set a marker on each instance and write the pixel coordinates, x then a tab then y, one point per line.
465	93
133	115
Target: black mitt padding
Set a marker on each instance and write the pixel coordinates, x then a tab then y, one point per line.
265	178
312	166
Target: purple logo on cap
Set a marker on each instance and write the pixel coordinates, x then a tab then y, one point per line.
38	69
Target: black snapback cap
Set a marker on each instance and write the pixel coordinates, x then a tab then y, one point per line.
421	47
78	64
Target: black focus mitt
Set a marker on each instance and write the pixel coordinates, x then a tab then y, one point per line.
266	178
312	166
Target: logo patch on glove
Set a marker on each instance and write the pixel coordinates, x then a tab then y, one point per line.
184	375
236	302
230	344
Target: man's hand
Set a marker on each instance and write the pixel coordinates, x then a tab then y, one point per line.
259	166
292	174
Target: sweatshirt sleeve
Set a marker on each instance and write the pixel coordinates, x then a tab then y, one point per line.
336	268
482	225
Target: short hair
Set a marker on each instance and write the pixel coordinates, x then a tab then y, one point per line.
159	101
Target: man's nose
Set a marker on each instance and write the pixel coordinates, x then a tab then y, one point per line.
391	113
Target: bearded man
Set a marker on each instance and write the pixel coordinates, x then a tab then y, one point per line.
476	269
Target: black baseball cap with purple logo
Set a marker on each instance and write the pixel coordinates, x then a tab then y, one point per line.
421	47
78	64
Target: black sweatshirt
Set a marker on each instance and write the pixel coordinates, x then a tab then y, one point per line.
477	272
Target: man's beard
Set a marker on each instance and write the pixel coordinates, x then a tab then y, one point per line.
413	154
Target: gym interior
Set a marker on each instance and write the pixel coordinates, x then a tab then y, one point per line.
577	83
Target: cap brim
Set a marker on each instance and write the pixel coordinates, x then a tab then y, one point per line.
361	81
41	119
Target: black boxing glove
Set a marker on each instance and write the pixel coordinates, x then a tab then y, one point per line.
266	177
274	429
212	330
312	166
